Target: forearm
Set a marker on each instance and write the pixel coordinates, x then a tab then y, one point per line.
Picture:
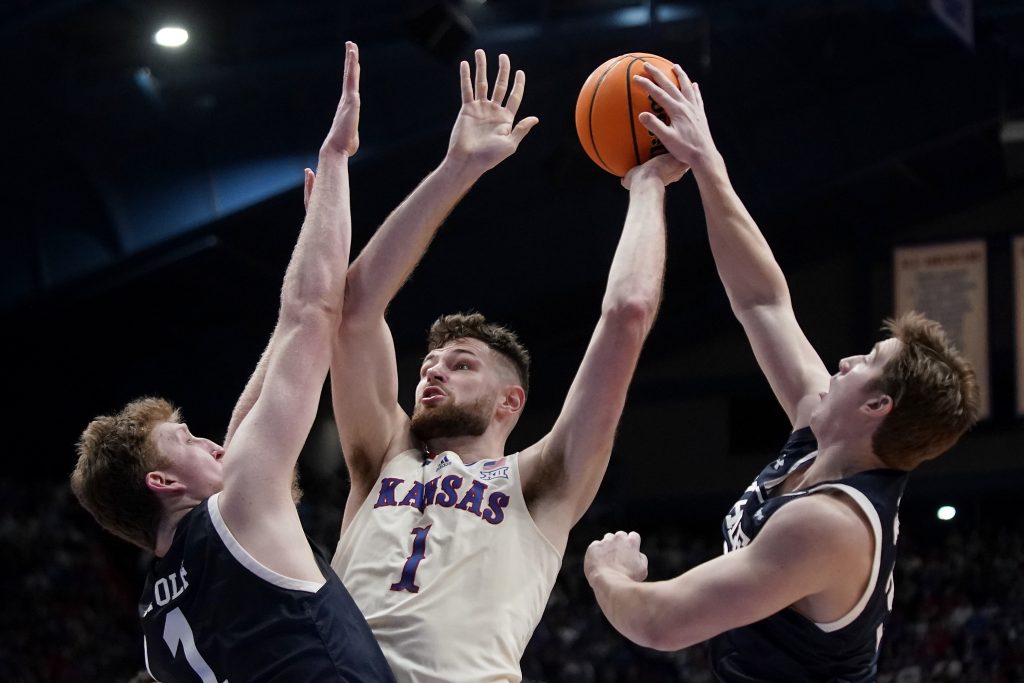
391	255
317	269
745	262
637	270
628	606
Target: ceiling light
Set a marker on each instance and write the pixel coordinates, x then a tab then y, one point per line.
171	36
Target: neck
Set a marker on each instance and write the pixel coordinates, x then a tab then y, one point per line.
470	448
842	458
168	525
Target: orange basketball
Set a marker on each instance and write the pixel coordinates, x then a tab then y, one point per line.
607	113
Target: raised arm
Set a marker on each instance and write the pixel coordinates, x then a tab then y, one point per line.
256	502
364	378
752	278
562	472
813	554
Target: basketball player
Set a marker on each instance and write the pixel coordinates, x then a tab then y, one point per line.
235	591
449	545
805	583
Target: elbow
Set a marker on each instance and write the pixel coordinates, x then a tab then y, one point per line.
660	627
658	637
633	313
310	311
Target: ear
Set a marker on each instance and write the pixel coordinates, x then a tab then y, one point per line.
878	406
513	400
163	484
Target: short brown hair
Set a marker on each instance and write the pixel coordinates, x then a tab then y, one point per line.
934	391
448	328
115	453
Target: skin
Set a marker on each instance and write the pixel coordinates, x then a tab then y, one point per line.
270	423
815	554
373	426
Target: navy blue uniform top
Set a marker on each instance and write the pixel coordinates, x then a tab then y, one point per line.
211	613
788	646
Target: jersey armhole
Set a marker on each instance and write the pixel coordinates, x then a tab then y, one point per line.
876	530
243	557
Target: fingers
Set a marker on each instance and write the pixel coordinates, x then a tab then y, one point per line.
684	81
516	96
664	83
652	123
307	187
698	98
465	82
351	67
522	128
481	74
501	84
658	94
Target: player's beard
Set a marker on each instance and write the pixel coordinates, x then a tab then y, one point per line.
451	419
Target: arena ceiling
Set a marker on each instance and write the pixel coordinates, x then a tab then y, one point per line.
152	197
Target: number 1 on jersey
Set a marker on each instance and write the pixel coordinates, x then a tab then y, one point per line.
177	633
419	551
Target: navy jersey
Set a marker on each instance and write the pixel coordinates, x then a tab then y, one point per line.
788	646
212	614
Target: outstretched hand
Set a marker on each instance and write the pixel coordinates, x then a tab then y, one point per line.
619	553
343	137
686	136
484	134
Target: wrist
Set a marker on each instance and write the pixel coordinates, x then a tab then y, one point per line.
646	182
332	155
461	170
601	579
708	162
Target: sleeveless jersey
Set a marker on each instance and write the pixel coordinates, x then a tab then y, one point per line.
787	646
448	567
212	614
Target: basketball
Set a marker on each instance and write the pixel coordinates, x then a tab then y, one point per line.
607	113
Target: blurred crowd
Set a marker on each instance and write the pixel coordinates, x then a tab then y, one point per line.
69	596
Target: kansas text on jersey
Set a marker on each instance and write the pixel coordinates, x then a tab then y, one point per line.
449	568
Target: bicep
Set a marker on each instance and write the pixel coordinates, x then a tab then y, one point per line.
581	439
364	393
731	591
802	551
267	443
785	355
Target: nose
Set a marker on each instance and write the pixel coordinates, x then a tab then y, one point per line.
847	364
435	373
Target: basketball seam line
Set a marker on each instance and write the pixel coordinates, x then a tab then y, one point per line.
590	115
629	102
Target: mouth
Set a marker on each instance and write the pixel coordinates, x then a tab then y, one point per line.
432	394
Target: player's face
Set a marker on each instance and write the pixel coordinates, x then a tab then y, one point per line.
458	391
195	462
854	382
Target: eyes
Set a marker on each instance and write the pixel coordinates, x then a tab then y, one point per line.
457	365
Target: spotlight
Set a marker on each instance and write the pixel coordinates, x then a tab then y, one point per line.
946	513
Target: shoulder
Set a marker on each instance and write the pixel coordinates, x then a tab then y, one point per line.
820	523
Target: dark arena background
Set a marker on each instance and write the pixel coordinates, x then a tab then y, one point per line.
151	197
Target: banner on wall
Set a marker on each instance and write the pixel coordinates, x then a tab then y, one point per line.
948	283
1018	307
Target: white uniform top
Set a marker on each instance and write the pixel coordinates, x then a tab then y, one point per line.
448	568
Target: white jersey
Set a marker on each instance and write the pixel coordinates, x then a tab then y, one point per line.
448	568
